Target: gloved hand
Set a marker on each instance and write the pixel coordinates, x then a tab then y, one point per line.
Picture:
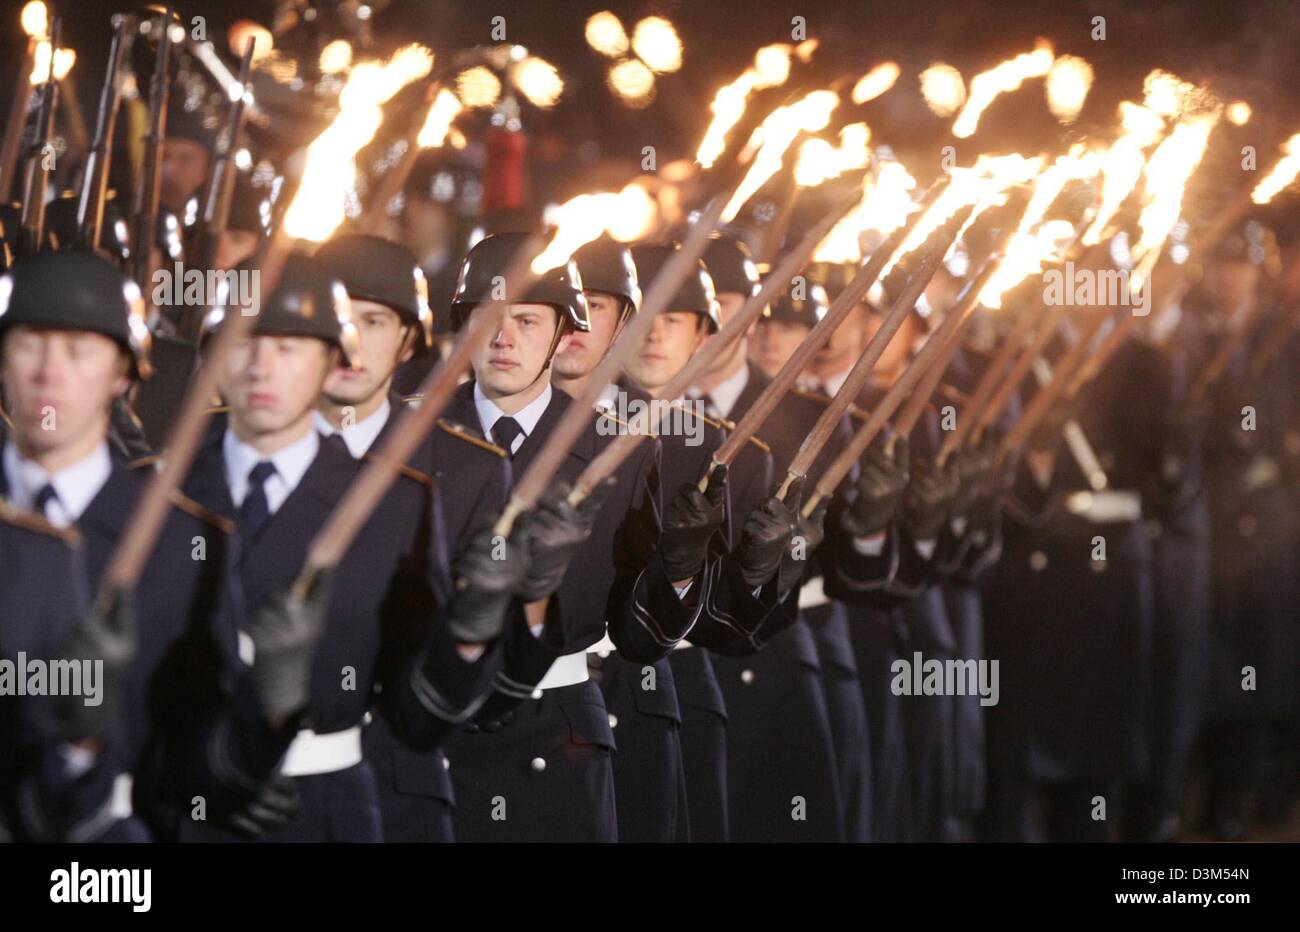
973	466
552	532
285	631
766	536
107	634
488	573
275	803
691	519
879	490
807	538
927	502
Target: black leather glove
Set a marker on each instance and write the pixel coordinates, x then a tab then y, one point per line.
270	810
766	536
553	532
488	573
879	490
689	522
929	497
106	635
808	537
285	631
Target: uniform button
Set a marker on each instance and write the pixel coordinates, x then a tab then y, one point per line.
1246	525
537	694
613	720
1038	561
747	676
538	764
602	654
446	764
367	718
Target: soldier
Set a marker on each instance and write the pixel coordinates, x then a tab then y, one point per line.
547	773
270	472
394	324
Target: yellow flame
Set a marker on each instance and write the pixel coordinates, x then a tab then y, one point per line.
808	114
1121	166
805	49
606	35
1238	113
243	31
437	123
35	19
336	57
986	86
478	87
886	202
628	215
771	65
318	207
820	161
1169	95
943	89
1068	83
64	59
538	80
1166	177
771	68
1283	173
656	43
875	82
632	81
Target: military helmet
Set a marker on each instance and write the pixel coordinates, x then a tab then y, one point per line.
731	266
375	269
483	272
695	293
61	225
804	303
608	267
75	289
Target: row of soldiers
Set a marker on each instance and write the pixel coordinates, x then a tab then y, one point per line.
681	655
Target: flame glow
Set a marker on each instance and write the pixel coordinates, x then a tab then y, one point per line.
478	87
1283	173
771	68
582	219
1068	83
35	19
986	86
632	81
243	31
437	123
943	89
1238	113
820	161
538	80
656	43
317	208
1121	166
809	114
886	203
875	82
336	57
771	65
64	59
606	35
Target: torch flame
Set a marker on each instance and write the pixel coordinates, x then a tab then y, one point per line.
1001	79
1122	164
943	89
64	59
478	87
1283	173
1238	113
626	216
632	81
656	43
35	20
771	65
808	114
538	80
771	68
820	161
875	82
886	203
1068	83
606	35
437	123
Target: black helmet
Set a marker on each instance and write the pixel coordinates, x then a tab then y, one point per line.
607	266
804	303
834	276
61	225
308	301
75	289
732	267
375	269
485	267
696	292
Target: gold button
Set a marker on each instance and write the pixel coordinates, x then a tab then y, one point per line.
537	694
446	764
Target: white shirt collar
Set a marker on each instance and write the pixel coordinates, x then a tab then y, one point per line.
526	417
607	398
727	392
75	486
359	437
834	383
291	463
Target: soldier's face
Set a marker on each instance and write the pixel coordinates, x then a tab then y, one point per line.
899	347
729	302
846	342
385	343
59	385
516	355
775	342
184	169
272	383
578	353
673	339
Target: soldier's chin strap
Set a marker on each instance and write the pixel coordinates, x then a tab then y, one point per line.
562	326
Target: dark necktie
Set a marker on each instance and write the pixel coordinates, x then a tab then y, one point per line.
711	408
43	498
255	512
504	432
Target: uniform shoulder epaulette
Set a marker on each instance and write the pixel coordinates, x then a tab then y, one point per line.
411	400
609	415
206	515
217	409
4	418
31	521
464	433
823	400
410	472
721	423
144	461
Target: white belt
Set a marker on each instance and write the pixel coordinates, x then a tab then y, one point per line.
310	753
682	644
1106	506
565	671
119	802
813	593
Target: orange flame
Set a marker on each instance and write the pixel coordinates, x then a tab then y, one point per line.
986	86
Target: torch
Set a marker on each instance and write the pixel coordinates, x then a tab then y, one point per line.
35	23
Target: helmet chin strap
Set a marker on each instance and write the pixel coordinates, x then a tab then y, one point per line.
562	326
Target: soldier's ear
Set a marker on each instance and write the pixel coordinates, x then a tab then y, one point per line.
407	350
